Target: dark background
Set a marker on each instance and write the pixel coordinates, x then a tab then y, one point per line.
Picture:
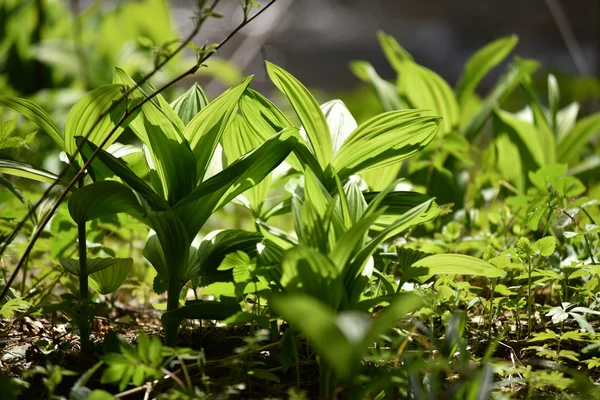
315	39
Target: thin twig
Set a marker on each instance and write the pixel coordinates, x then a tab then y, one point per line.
72	157
569	37
128	113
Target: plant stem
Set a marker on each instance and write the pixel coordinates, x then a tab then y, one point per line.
325	378
172	326
84	319
491	308
529	297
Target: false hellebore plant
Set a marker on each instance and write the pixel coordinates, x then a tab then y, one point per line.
184	191
321	274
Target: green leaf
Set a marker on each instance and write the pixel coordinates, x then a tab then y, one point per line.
308	111
23	170
211	252
205	130
394	53
565	121
341	123
8	142
316	321
524	135
104	198
85	115
118	167
385	140
11	188
569	148
308	271
482	62
35	114
541	122
241	175
397	203
457	264
545	246
503	87
175	245
422	88
14	305
71	265
262	116
189	104
355	268
109	279
171	156
239	140
386	92
201	309
340	339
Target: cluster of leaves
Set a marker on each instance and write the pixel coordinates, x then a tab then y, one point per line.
348	237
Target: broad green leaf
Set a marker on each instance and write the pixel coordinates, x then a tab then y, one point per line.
503	87
308	111
541	121
340	339
11	188
71	265
106	160
241	175
238	140
341	123
307	271
208	255
385	140
509	160
175	246
35	114
203	309
422	88
111	278
386	92
85	116
189	104
170	153
565	121
23	170
457	264
545	246
482	62
397	203
380	178
239	263
9	142
524	135
553	97
316	321
104	198
17	304
153	252
265	120
353	269
262	116
570	146
205	130
394	53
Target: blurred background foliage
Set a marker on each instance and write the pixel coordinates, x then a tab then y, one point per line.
53	51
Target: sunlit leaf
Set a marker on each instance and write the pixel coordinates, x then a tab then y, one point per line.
109	279
308	111
481	63
35	114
